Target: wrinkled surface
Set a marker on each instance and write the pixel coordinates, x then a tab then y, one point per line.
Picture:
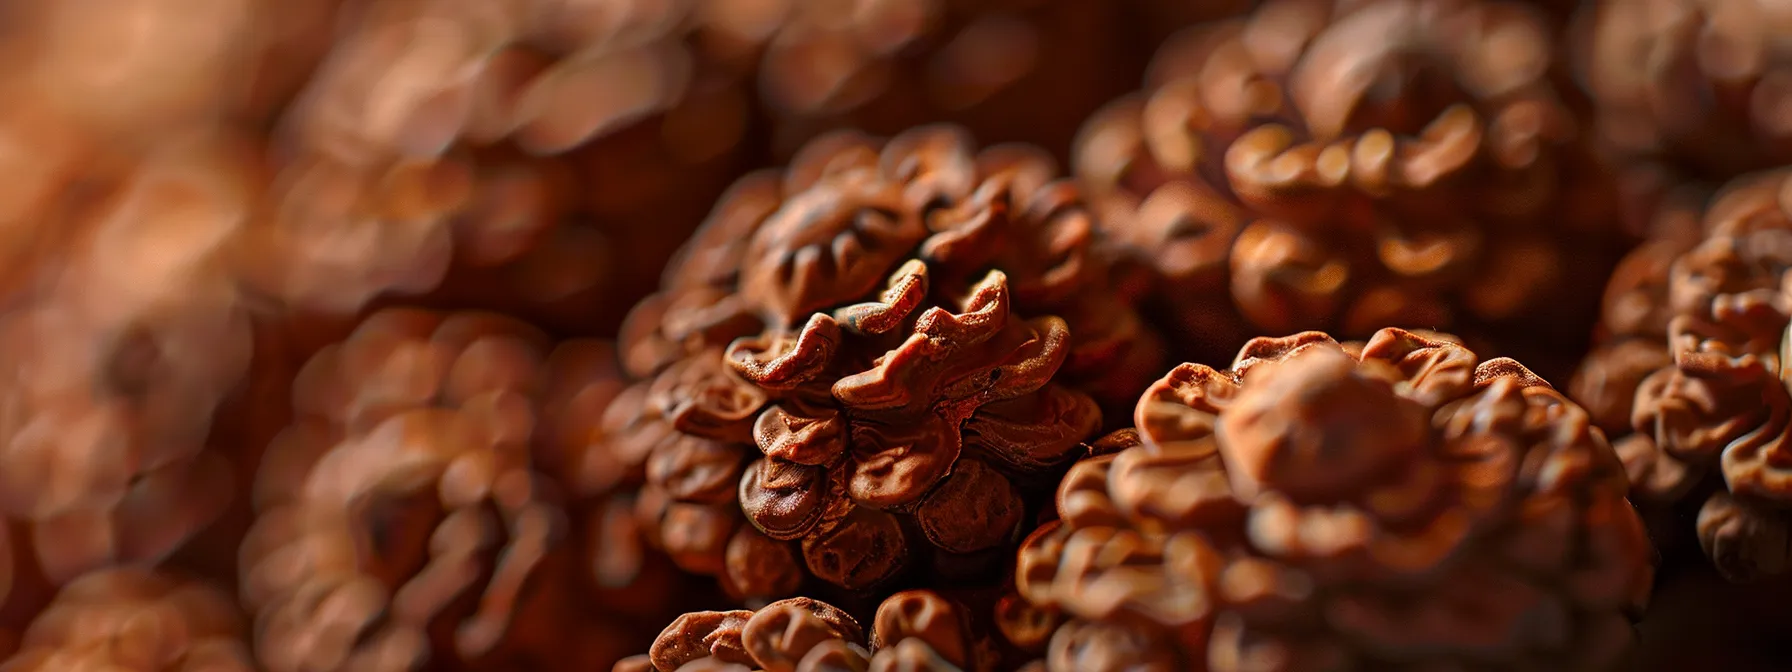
915	630
875	354
1400	503
1714	414
1348	166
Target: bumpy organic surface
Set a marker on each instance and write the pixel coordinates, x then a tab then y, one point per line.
408	514
130	620
1711	417
1702	85
1399	504
915	630
1352	164
873	358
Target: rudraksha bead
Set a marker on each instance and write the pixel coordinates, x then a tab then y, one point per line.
916	630
875	357
1398	504
381	188
1711	420
1352	164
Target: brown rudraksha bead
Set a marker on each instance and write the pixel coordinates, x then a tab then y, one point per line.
692	421
135	620
1401	504
1712	419
916	630
1347	165
384	188
417	508
874	357
1704	86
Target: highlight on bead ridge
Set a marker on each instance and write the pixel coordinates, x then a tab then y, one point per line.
1322	505
862	365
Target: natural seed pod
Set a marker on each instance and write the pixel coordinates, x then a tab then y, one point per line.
872	346
1351	164
384	188
1714	417
1694	321
915	630
1323	507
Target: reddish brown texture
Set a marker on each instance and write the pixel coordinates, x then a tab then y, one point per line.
961	212
685	432
417	508
1721	410
1696	321
135	620
696	305
378	188
1317	507
1348	165
446	181
833	342
916	630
